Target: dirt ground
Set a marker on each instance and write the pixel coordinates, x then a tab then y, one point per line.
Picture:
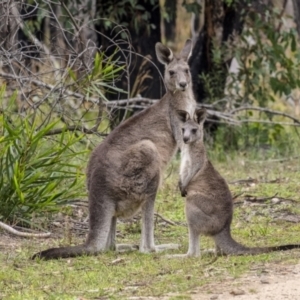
276	282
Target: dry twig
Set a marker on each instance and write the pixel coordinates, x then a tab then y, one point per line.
164	219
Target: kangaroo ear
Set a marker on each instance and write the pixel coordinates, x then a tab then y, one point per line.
186	52
183	115
200	115
163	53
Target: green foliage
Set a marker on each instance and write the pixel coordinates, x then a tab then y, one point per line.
273	140
213	82
35	24
265	69
193	7
38	172
264	64
113	13
269	69
106	70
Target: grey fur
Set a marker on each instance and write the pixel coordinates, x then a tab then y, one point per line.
124	172
209	205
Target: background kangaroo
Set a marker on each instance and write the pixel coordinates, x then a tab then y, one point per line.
209	204
125	170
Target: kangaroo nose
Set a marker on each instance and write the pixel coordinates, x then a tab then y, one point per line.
185	139
183	84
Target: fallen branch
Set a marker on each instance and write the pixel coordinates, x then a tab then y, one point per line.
289	218
253	180
251	198
244	181
23	234
164	219
275	200
234	197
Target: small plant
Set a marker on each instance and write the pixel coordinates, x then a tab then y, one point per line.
38	172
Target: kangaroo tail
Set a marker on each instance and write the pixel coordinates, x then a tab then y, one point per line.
65	252
226	245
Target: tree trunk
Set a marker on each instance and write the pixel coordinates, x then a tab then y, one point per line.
170	21
58	43
8	26
9	30
220	23
144	71
296	4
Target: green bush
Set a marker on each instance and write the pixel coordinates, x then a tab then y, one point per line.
39	171
269	63
256	140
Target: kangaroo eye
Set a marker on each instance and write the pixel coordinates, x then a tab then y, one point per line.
171	73
186	71
182	129
194	131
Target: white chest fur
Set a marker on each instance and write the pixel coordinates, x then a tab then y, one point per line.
190	107
186	162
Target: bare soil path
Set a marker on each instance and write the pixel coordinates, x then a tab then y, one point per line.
276	282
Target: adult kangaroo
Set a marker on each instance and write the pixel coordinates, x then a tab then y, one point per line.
125	170
209	204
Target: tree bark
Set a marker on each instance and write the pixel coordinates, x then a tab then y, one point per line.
170	23
296	4
221	22
144	75
9	27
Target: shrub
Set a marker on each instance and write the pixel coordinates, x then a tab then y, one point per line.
39	171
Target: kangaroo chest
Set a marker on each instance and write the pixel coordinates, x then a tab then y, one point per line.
186	162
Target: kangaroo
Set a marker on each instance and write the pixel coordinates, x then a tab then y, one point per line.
124	172
209	204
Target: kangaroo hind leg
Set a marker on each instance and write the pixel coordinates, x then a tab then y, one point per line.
141	179
194	245
147	239
102	223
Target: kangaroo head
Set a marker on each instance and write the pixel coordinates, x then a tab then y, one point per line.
177	71
192	129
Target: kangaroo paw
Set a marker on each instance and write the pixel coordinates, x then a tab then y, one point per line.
177	256
164	247
160	248
182	189
126	247
211	252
